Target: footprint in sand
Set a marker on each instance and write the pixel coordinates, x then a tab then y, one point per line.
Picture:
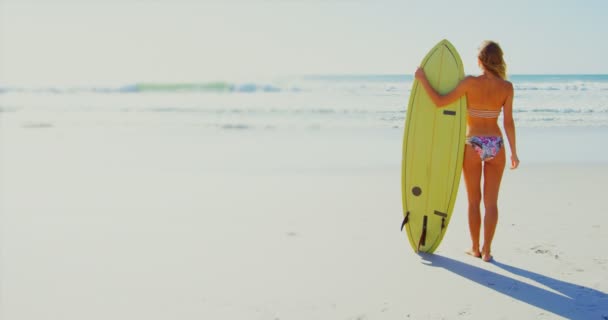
543	250
540	250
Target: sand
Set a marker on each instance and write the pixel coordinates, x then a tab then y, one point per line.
165	223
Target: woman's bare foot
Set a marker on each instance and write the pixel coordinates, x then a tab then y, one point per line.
485	254
474	253
487	257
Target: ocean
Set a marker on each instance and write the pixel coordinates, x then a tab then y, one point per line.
313	102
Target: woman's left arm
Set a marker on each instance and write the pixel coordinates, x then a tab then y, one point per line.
442	100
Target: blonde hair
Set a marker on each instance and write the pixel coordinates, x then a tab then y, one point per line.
491	58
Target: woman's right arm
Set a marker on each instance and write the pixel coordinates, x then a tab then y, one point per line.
438	99
509	125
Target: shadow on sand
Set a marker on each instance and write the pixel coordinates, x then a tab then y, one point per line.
567	300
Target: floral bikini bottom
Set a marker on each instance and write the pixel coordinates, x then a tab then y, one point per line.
486	147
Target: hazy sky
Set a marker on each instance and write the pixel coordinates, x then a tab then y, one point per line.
70	41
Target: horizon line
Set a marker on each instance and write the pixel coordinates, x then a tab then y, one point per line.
266	78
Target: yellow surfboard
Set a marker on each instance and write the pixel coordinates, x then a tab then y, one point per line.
433	150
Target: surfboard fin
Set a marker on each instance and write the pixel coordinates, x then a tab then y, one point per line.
443	215
405	220
422	241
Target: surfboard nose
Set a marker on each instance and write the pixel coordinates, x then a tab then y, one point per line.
445	41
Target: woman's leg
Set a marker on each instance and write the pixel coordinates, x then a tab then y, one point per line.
492	175
471	170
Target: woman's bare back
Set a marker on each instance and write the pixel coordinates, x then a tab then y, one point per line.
486	95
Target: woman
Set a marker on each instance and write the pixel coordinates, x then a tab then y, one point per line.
484	154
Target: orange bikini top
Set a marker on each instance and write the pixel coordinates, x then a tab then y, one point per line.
481	113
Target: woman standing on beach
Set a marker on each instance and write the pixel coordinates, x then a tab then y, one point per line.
487	95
